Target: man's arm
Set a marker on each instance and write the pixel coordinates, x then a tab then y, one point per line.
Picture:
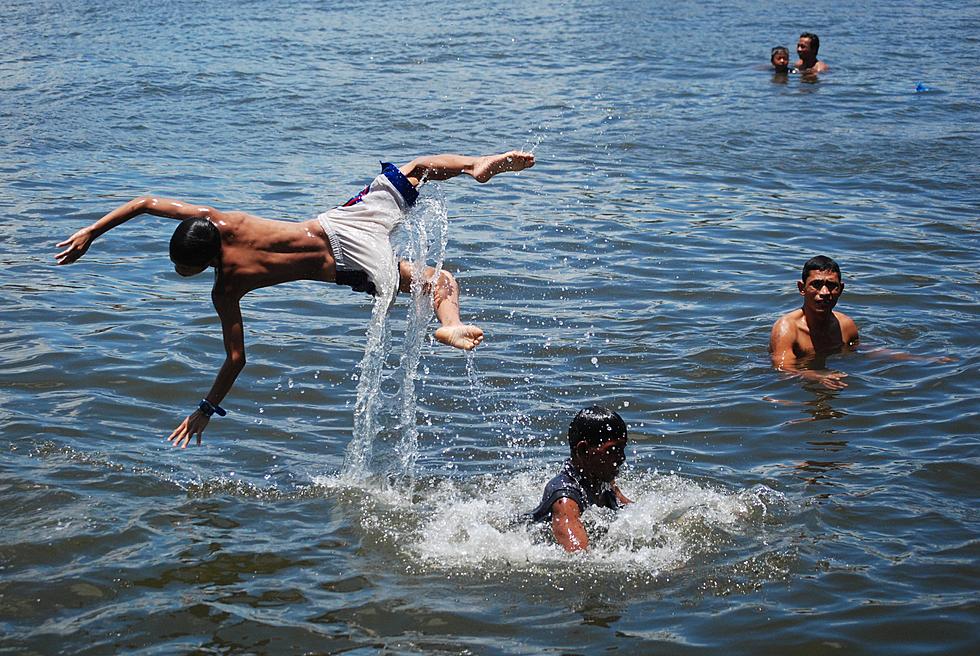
781	342
848	330
566	525
849	334
233	331
900	356
78	243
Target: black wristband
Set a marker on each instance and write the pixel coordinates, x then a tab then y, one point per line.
209	408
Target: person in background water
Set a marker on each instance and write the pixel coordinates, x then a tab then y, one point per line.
814	331
597	445
348	245
779	58
806	48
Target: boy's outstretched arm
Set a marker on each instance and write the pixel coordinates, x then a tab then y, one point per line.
76	245
233	331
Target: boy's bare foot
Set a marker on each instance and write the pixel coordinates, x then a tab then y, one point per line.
460	336
490	165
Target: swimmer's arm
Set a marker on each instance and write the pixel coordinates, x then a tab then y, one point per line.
849	334
78	243
848	330
781	342
233	330
623	500
783	357
566	525
830	379
900	356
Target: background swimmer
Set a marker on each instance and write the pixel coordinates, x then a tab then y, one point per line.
779	58
807	47
815	329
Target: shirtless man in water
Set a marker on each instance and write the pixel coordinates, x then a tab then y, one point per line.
815	330
348	245
807	48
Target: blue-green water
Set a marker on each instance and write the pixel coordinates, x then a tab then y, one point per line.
640	264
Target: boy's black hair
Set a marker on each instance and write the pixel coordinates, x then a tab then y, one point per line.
775	49
595	425
820	263
814	41
195	242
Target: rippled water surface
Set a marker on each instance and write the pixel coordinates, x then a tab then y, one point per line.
640	264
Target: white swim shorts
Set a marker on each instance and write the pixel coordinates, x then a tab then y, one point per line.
359	232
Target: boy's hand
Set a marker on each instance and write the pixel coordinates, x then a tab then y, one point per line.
77	244
193	425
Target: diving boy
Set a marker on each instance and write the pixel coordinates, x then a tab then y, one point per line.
349	245
597	445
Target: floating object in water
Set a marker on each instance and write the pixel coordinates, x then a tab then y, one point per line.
920	87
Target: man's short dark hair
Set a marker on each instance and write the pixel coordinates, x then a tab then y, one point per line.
814	41
820	263
596	425
195	242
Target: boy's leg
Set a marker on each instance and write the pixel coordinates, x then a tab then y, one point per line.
445	301
481	169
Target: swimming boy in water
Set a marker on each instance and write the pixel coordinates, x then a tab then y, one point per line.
348	245
597	445
815	330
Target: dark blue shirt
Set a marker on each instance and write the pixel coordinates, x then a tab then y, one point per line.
571	484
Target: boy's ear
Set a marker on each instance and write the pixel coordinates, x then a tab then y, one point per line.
581	448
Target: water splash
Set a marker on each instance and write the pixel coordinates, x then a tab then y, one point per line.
542	132
477	525
428	235
384	446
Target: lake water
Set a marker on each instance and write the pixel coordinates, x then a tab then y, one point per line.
678	191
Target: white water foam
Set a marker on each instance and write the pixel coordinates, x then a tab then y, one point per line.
477	524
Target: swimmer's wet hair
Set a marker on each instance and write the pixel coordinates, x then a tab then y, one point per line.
595	425
195	242
820	263
814	41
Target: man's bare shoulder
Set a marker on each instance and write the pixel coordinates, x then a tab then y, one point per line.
784	335
789	322
848	329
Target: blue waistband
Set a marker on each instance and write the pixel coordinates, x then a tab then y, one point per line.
401	183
